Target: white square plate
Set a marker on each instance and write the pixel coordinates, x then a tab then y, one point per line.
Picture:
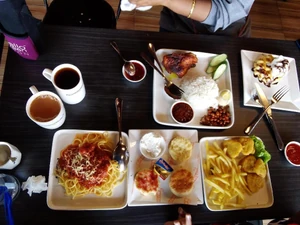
261	199
165	196
56	197
290	102
162	102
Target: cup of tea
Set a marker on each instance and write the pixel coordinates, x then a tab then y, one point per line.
68	82
45	109
10	156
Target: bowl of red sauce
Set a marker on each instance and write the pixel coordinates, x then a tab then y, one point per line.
140	72
182	112
292	153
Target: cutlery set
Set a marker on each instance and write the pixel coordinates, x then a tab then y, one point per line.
262	100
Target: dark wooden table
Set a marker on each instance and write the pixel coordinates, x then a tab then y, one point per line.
89	49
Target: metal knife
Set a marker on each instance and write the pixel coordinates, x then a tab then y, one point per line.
265	103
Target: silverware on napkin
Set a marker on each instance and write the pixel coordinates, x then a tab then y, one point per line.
265	104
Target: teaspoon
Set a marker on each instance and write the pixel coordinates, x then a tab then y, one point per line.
128	66
120	153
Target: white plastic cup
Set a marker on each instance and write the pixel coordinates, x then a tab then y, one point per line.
10	156
68	82
54	123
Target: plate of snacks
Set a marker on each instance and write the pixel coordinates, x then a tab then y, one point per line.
271	72
82	174
205	79
235	173
159	181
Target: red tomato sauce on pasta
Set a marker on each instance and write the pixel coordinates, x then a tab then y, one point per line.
88	164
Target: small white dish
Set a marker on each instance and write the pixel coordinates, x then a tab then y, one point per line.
290	102
162	102
262	199
182	112
56	197
225	97
140	72
164	197
152	145
292	153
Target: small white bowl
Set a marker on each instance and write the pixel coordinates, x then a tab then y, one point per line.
224	97
296	151
182	112
140	72
150	143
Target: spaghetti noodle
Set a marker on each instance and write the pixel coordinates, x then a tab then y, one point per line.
85	166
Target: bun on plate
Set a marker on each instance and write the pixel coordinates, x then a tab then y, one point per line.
181	182
180	149
146	181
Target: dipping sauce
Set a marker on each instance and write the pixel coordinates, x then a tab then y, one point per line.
293	153
139	72
182	112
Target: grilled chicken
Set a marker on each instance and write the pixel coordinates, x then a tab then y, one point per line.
179	63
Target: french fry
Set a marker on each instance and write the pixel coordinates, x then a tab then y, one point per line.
224	176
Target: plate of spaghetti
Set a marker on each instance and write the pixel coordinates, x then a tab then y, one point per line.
82	174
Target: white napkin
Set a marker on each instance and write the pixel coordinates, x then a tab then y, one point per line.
127	6
35	184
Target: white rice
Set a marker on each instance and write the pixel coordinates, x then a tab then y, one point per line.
200	91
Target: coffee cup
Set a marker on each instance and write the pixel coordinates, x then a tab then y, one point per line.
10	156
45	109
68	82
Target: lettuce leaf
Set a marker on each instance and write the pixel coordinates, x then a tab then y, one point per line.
260	149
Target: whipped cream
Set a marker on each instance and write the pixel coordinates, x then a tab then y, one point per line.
280	67
152	144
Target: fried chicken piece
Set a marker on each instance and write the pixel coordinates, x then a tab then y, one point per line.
248	163
234	148
254	182
248	145
179	62
260	168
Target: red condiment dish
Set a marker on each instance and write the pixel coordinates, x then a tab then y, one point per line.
292	153
140	72
182	112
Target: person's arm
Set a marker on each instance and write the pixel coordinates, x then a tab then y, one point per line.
182	7
218	14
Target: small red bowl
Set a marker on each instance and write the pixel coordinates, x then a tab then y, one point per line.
182	112
292	153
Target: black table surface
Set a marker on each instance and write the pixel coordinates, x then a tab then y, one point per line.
89	49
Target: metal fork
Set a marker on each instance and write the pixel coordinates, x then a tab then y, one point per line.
277	96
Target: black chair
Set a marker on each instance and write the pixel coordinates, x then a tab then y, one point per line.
85	13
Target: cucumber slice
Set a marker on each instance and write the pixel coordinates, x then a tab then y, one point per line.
219	71
211	69
218	59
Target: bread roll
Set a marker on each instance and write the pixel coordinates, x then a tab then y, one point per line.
146	181
180	149
181	182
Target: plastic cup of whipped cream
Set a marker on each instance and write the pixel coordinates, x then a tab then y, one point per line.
152	145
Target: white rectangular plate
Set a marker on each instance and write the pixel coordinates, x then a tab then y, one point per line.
290	102
162	102
56	197
261	199
138	162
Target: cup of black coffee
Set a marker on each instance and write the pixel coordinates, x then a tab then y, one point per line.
68	82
